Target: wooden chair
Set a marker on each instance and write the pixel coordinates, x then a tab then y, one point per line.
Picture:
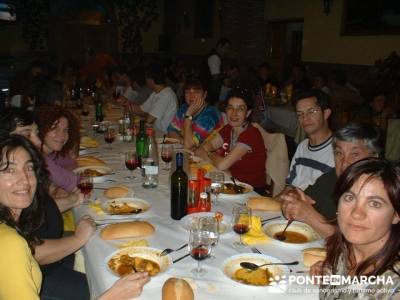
277	164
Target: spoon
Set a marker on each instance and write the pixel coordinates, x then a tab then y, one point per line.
253	267
281	236
169	250
237	188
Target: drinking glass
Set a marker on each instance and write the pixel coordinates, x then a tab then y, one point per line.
85	184
217	184
85	110
166	155
131	162
199	248
241	223
109	136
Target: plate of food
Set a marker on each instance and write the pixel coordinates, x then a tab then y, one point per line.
298	234
191	220
98	173
265	276
125	206
137	259
232	191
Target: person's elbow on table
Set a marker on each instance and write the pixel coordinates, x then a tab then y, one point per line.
127	287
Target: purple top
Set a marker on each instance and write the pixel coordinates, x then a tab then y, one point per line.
60	168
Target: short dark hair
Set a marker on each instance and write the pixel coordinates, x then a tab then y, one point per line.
370	135
244	94
323	100
194	82
14	117
156	72
31	217
222	42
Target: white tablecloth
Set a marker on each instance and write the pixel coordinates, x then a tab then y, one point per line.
170	234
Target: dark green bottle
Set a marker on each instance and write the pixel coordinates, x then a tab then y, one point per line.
179	190
141	141
99	109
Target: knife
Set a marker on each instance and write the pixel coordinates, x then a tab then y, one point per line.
180	258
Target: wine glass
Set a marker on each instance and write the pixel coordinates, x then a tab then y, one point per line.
166	155
131	162
199	248
85	184
217	184
109	136
241	223
212	226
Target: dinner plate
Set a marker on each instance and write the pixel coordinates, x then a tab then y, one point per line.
148	253
102	169
273	227
248	189
187	221
134	202
232	264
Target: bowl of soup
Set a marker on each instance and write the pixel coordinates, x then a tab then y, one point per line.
298	234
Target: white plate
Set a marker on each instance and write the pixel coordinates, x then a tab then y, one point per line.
273	227
232	264
102	169
248	188
135	202
152	254
187	220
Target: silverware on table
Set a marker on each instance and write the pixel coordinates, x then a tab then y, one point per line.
255	250
169	250
269	219
180	258
252	266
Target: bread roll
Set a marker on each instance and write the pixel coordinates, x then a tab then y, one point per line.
313	255
264	203
85	161
119	191
123	230
177	289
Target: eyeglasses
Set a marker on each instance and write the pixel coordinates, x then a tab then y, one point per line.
309	113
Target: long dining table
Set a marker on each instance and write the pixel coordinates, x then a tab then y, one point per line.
170	233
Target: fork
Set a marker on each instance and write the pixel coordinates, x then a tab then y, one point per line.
255	250
169	250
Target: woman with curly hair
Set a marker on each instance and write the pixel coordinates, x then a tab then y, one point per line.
366	241
24	187
59	132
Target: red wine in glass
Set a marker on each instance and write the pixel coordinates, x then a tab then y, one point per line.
131	164
109	139
166	158
200	253
241	228
85	187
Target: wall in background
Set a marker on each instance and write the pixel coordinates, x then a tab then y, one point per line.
322	41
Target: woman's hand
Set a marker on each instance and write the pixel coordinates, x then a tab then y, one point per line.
85	229
127	287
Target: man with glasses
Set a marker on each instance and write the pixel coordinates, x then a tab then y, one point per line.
314	155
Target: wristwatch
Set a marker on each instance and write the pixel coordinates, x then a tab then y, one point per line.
189	117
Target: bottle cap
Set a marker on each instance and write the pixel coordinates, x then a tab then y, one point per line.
149	130
193	184
203	195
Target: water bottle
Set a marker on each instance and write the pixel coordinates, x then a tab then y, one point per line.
150	161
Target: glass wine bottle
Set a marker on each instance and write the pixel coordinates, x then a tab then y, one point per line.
179	190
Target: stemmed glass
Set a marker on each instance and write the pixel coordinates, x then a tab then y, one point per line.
166	155
212	226
217	184
241	223
131	162
109	136
199	248
85	184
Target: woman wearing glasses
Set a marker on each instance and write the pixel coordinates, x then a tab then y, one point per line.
238	147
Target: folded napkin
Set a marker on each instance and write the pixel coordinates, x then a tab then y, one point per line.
88	142
96	207
255	234
69	223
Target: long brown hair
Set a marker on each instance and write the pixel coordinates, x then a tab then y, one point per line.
47	116
337	245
